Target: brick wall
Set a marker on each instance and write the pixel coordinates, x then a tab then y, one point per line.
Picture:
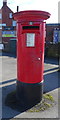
50	31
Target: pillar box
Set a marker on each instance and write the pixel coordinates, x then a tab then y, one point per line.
30	55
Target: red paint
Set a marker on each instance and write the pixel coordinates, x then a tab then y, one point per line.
30	60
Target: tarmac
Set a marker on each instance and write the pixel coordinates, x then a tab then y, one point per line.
8	75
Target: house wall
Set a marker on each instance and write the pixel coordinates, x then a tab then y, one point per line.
50	31
8	30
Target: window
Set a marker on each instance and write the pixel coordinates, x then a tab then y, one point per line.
14	23
10	15
0	26
0	16
4	24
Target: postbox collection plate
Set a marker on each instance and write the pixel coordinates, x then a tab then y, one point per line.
30	40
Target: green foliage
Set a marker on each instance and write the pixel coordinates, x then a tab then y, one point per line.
47	102
49	97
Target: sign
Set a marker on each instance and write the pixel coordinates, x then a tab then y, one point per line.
30	42
59	36
56	37
8	33
8	28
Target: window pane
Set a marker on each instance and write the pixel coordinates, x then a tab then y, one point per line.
14	23
0	16
10	15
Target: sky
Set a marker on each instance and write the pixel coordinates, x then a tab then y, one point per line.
50	6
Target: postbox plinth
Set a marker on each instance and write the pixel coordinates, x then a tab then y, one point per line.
29	94
30	54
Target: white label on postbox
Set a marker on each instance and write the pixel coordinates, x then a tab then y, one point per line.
30	40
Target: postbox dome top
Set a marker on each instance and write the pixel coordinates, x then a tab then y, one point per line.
31	15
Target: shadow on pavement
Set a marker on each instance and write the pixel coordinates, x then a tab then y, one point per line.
50	69
8	54
51	60
11	107
51	81
8	81
7	111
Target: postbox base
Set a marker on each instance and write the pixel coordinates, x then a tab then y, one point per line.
29	94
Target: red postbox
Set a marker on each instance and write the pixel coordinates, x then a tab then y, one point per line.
30	54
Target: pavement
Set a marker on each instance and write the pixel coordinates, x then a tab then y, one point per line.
8	75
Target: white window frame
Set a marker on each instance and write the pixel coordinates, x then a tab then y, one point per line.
10	15
0	27
0	16
4	24
13	23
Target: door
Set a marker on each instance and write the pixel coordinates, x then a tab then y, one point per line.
30	58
